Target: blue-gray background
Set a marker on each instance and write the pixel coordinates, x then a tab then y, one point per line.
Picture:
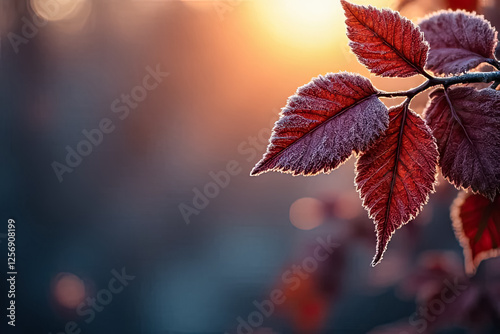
119	208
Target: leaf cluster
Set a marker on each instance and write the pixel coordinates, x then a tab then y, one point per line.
399	153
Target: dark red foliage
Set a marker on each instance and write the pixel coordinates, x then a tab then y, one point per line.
441	287
476	221
323	123
308	302
334	116
459	41
396	175
468	137
384	41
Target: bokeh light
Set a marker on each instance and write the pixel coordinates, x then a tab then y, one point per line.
307	213
68	290
59	10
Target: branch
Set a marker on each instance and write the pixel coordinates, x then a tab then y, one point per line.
446	82
409	93
469	78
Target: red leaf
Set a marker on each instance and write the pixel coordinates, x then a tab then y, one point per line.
459	41
395	176
384	41
323	123
468	137
476	221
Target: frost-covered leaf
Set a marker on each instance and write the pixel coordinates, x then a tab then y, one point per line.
395	176
323	123
385	42
468	137
476	221
459	41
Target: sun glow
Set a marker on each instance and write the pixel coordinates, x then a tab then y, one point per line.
312	24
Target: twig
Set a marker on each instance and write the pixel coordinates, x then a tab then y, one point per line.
446	82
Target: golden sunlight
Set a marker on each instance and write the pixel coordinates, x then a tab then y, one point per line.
313	24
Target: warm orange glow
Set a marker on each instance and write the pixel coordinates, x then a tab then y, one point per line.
199	5
311	24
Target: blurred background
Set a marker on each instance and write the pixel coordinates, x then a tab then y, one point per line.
129	129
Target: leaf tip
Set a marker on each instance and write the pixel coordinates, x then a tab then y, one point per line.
347	6
379	255
257	169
